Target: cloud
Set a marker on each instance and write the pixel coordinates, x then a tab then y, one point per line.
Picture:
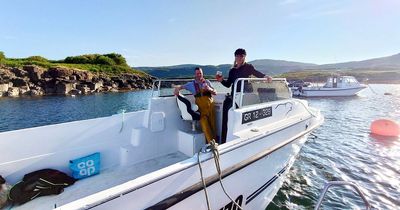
132	56
9	37
286	2
330	12
317	14
172	20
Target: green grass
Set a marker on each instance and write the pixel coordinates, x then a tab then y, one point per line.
96	68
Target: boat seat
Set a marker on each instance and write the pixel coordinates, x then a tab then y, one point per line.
189	111
267	94
250	99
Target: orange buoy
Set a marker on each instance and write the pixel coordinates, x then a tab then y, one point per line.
385	127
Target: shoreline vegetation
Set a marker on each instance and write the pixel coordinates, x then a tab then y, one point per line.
91	73
75	75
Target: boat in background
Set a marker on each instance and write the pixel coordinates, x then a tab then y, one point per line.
294	84
151	159
334	86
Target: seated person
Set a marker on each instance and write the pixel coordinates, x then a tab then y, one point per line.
202	91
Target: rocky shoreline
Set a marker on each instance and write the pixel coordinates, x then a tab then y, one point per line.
36	81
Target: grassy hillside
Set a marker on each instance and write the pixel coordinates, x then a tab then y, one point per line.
107	63
384	68
312	75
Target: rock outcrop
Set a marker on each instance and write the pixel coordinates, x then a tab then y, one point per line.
36	81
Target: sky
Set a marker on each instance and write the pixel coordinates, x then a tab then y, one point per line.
172	32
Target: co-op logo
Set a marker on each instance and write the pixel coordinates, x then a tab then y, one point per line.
86	168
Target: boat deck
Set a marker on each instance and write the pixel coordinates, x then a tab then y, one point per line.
106	179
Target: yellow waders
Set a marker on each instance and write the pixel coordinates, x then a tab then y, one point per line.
207	115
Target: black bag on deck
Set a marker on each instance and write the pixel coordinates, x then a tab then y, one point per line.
39	183
4	189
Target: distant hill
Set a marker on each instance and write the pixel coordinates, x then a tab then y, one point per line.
389	62
266	66
275	67
184	71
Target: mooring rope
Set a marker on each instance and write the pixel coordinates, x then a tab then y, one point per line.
202	180
367	82
372	89
214	149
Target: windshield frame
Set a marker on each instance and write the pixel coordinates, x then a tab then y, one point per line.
242	82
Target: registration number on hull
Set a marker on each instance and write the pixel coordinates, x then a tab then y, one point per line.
256	114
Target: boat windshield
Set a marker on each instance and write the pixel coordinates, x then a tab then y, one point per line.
350	80
251	91
165	87
341	82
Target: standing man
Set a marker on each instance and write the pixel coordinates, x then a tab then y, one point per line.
202	91
240	69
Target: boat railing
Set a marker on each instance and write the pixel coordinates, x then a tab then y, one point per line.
165	87
341	183
250	91
160	84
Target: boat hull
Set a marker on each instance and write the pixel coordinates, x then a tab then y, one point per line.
149	158
252	173
327	92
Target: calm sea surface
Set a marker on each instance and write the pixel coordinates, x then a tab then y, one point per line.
344	149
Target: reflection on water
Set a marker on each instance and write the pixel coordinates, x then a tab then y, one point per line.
344	149
18	113
385	141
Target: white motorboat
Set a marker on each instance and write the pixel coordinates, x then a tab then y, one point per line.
150	159
334	86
